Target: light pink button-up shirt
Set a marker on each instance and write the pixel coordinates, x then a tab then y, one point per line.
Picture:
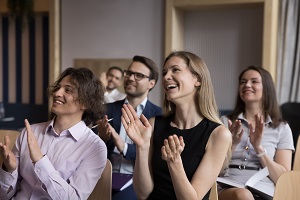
72	164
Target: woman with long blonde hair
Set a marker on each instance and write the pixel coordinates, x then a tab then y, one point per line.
180	154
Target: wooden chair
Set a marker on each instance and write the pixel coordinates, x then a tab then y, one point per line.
287	186
102	190
296	164
213	195
13	134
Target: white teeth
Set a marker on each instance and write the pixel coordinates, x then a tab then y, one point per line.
171	86
59	102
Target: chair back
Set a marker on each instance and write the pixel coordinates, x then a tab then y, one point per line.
291	113
296	164
13	134
287	186
213	195
103	188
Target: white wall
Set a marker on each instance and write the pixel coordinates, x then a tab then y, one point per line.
228	39
113	29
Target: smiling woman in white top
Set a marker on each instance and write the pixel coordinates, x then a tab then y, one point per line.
260	138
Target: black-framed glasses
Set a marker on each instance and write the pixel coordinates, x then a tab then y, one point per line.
138	76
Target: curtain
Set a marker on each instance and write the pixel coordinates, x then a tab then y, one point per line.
288	63
24	60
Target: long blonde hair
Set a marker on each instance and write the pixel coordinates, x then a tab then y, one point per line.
204	97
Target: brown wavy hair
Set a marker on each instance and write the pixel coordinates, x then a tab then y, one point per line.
90	92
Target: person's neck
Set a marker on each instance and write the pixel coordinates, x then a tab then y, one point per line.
250	112
186	116
64	123
135	101
109	90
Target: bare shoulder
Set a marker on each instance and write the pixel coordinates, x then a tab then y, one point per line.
221	134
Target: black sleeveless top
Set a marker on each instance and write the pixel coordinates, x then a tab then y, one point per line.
195	140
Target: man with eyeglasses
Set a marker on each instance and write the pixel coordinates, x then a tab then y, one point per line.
140	77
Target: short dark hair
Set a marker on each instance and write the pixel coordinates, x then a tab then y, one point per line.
90	92
150	64
116	68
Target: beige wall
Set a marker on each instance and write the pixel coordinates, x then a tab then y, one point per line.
113	30
175	10
228	34
116	29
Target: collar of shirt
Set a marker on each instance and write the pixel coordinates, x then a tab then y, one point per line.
112	92
140	107
120	164
268	120
75	131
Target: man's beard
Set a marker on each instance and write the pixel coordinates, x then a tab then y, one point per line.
135	94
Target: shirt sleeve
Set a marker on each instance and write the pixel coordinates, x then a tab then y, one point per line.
286	138
224	120
8	184
125	148
81	182
131	152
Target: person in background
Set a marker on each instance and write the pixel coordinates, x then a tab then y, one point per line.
260	138
61	158
112	80
140	77
180	154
